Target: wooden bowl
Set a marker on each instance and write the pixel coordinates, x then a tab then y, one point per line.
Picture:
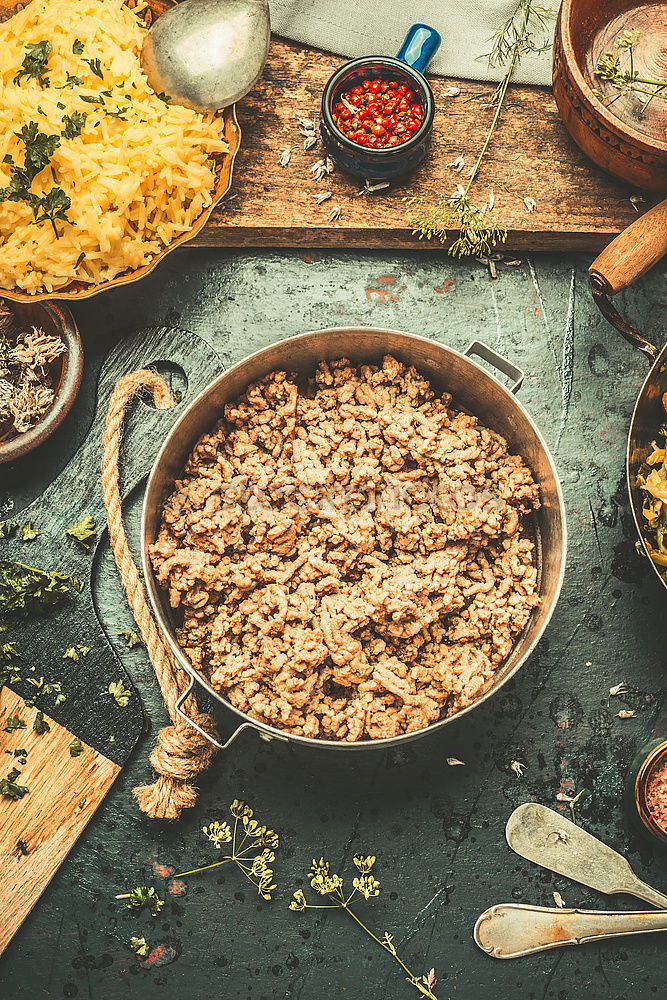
619	136
66	371
225	163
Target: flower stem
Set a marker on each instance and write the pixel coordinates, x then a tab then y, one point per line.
193	871
424	990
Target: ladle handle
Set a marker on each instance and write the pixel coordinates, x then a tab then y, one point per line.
511	930
634	252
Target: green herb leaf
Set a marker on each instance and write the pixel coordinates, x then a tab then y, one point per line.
143	897
29	533
34	63
91	99
26	591
51	206
40	725
139	945
77	47
75	652
96	67
74	124
71	81
83	531
131	637
119	693
13	723
80	258
10	789
75	747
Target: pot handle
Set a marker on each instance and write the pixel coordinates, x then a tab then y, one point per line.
202	732
419	46
634	252
507	368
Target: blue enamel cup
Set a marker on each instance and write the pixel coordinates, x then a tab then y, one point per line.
420	45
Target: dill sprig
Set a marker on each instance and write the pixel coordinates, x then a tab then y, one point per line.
622	75
478	234
328	884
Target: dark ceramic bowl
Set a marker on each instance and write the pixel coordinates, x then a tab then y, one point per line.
57	320
419	47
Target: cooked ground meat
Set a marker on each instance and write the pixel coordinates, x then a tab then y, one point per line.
346	554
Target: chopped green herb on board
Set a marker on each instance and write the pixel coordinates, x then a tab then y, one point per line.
119	693
29	532
34	63
10	789
14	723
139	945
131	637
40	725
7	528
76	652
75	747
83	531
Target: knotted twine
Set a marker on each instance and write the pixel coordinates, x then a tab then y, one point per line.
181	752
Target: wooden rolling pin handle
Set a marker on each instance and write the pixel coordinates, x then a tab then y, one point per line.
633	253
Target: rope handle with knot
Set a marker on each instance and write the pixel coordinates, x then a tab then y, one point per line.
181	752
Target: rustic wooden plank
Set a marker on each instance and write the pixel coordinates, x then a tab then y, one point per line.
578	206
64	793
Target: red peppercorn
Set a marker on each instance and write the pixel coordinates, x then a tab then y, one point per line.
386	113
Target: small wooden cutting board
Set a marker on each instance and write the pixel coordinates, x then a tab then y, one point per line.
579	207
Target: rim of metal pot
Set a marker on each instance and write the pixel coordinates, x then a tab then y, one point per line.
265	730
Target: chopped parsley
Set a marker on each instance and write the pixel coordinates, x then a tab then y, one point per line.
96	67
131	637
71	81
52	206
34	63
119	693
29	532
40	725
77	47
7	528
22	847
83	531
14	723
25	590
91	99
10	789
73	124
75	747
76	652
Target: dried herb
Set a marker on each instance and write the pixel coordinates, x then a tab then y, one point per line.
139	945
245	843
7	528
327	884
74	123
75	652
40	725
29	532
8	664
75	747
83	531
131	637
10	789
26	590
26	382
477	234
34	63
14	723
143	897
119	693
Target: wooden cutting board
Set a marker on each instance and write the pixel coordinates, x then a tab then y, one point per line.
38	830
578	206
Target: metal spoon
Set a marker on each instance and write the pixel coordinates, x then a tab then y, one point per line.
511	930
549	839
207	54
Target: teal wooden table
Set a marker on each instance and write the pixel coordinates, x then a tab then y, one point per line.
437	830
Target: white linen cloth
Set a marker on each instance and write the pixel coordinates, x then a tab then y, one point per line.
349	28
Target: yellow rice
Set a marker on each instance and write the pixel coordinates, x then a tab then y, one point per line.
135	185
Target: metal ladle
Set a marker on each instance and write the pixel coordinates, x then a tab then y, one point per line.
207	54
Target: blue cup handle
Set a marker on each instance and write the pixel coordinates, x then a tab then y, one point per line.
420	45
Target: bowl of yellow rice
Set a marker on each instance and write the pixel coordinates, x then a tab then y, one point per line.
100	177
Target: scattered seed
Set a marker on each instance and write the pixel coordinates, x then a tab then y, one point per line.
457	164
626	713
491	199
558	900
454	761
512	263
451	92
369	188
285	157
321	196
334	213
518	768
617	689
309	142
530	204
322	168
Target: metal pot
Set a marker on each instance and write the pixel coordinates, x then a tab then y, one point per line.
474	389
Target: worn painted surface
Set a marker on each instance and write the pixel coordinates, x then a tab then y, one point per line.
437	830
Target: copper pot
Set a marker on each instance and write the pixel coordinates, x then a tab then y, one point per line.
473	388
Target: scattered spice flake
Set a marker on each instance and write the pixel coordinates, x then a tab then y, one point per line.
458	164
334	213
139	945
370	188
284	157
530	204
454	761
7	528
322	168
83	531
559	901
618	689
75	747
119	693
75	652
29	532
40	725
518	768
321	196
131	637
626	713
10	789
14	723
